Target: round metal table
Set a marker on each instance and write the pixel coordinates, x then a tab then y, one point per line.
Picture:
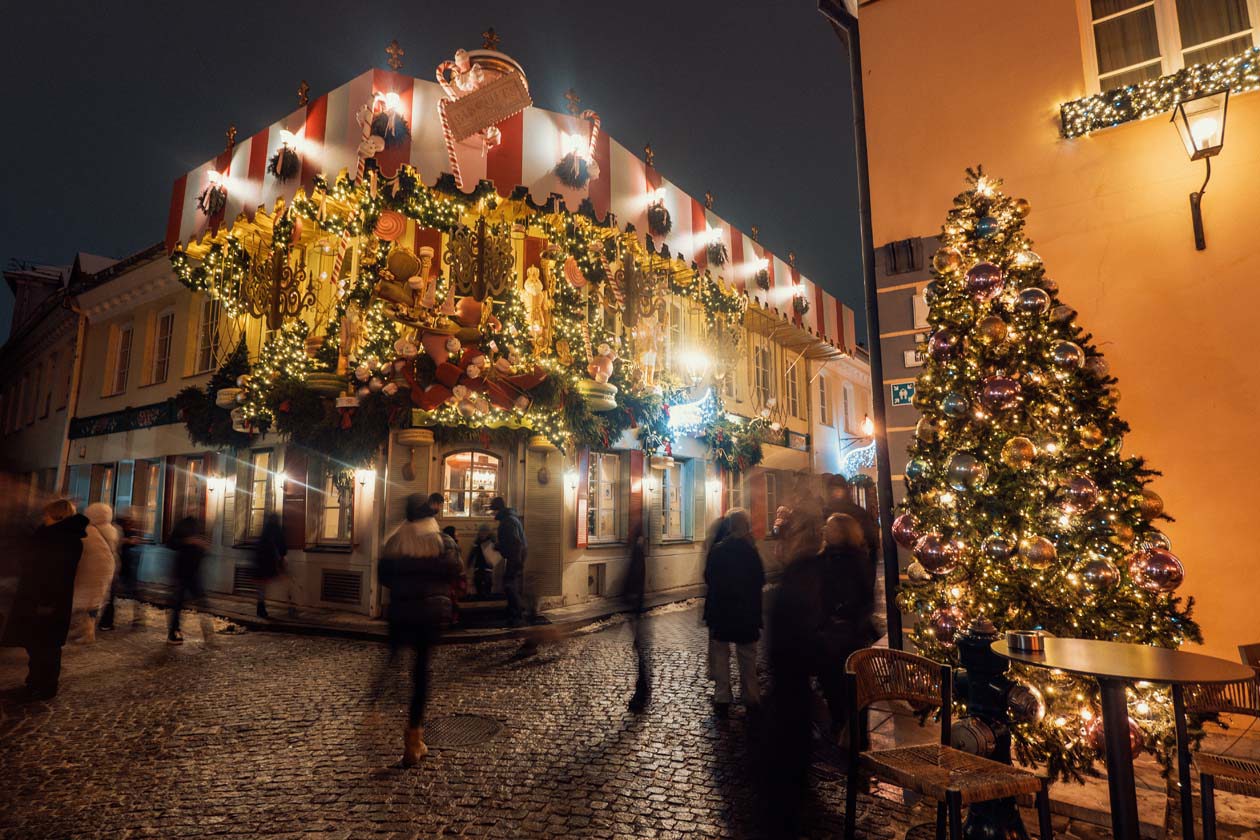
1113	664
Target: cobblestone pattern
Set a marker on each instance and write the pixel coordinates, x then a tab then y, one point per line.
273	735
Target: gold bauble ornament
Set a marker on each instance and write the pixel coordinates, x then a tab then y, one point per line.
991	330
1018	453
947	260
1122	532
1037	552
926	430
1150	504
1022	208
1090	436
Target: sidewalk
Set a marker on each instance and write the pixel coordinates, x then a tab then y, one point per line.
315	621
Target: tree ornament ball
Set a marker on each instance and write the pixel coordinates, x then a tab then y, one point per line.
964	472
1022	208
1062	314
917	573
1067	355
1153	539
955	405
916	468
1099	575
1033	301
947	260
1090	436
991	330
903	530
932	291
1081	493
1050	285
986	226
1018	453
1156	570
998	393
1151	505
926	430
997	549
1026	703
1097	367
1098	737
945	623
945	344
936	554
1027	258
1122	532
1037	552
984	281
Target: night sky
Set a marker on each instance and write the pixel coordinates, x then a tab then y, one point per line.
104	110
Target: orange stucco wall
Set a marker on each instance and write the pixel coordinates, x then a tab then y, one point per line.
953	84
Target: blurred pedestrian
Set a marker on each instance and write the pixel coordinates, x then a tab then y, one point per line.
483	559
95	574
840	500
45	596
849	601
268	558
732	609
189	543
418	567
450	546
126	582
633	596
512	545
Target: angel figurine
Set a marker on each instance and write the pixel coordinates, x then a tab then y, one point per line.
537	310
351	337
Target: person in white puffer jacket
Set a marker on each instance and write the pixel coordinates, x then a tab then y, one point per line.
96	570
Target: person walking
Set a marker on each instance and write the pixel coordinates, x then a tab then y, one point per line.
633	596
95	574
268	558
512	545
732	609
840	500
849	602
418	567
44	600
127	579
189	544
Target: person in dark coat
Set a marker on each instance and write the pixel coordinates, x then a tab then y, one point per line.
849	602
189	543
127	579
840	500
732	609
633	595
512	545
45	596
269	558
482	565
418	566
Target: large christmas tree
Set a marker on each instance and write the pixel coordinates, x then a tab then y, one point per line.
1020	505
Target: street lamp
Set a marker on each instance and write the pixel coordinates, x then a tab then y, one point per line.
1201	123
696	364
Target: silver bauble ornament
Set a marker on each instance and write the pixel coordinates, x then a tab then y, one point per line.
917	573
998	549
1062	314
1099	575
998	393
1156	570
1026	703
955	405
1066	355
1026	259
965	472
926	430
1152	539
936	554
1033	302
1037	552
984	281
916	468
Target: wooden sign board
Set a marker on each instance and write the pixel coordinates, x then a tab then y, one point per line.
490	104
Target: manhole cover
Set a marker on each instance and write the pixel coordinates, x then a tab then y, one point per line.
460	730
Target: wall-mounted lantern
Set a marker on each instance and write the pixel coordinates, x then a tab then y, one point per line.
1201	123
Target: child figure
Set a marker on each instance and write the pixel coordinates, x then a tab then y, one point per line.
483	559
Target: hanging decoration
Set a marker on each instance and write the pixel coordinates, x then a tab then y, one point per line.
213	199
285	163
388	122
578	166
658	218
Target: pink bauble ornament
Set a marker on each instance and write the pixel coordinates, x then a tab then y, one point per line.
945	624
998	393
945	344
935	553
984	281
1156	570
1080	494
903	531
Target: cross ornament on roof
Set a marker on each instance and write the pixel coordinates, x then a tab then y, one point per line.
574	101
396	54
231	138
708	200
649	155
304	93
490	39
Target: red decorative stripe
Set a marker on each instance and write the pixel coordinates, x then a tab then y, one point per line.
505	162
821	313
601	187
316	125
737	258
699	227
384	81
840	325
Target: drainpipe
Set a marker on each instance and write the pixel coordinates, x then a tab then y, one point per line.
72	399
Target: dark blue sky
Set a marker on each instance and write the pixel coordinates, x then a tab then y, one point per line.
105	109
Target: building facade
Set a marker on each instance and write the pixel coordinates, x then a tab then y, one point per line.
1109	218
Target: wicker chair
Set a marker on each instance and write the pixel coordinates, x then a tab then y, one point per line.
951	777
1226	772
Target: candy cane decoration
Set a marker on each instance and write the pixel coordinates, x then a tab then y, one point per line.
449	137
588	114
365	122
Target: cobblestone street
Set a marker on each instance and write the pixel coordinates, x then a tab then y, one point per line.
273	735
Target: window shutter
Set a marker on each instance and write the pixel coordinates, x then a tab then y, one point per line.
583	495
724	496
293	508
636	492
696	513
757	504
123	486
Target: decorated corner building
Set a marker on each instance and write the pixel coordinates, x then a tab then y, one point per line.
425	286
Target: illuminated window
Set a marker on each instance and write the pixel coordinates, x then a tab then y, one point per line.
161	350
1132	41
207	336
824	402
145	495
792	377
763	381
336	522
470	479
673	502
261	491
121	360
850	422
733	486
605	486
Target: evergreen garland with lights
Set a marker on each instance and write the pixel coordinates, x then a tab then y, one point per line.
1020	506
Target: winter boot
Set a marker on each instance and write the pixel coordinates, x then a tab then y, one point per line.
414	747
